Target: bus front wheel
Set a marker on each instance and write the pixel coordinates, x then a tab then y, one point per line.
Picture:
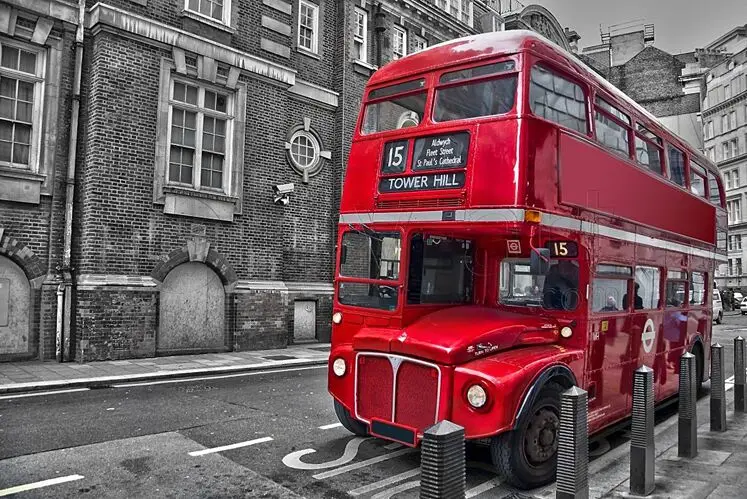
526	456
351	424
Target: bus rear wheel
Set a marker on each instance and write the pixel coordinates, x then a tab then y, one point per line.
351	424
526	456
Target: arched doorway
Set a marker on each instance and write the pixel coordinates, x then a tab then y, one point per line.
192	310
15	309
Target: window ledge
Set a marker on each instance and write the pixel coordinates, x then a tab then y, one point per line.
184	191
196	204
20	186
365	65
208	21
308	53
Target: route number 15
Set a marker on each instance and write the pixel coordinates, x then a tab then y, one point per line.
563	249
395	157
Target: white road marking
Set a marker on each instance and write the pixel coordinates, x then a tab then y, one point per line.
387	494
39	485
362	464
393	446
330	426
293	460
229	447
383	483
483	487
207	378
40	394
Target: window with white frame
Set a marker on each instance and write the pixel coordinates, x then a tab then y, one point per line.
724	150
200	137
709	130
460	9
399	42
308	26
727	180
735	178
21	98
727	91
419	43
733	146
360	39
724	123
732	120
217	10
734	210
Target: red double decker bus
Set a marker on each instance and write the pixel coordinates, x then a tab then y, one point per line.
512	225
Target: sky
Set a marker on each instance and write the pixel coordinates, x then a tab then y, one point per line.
680	25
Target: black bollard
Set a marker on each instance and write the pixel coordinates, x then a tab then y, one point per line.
740	383
573	446
442	462
688	415
642	450
718	389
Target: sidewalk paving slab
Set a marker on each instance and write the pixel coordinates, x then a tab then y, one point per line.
18	377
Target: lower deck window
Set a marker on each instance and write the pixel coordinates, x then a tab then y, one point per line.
609	295
366	295
440	271
558	290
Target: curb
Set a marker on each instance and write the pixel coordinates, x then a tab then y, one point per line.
108	381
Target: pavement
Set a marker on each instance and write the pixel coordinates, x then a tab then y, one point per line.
38	375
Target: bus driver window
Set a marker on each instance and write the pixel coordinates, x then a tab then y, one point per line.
560	291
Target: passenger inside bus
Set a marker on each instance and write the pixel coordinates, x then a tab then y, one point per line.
638	299
560	291
611	305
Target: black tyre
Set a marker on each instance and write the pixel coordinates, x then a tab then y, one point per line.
527	456
351	424
699	370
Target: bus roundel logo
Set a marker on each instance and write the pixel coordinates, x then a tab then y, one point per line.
648	336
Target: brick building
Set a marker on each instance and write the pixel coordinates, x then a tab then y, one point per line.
146	152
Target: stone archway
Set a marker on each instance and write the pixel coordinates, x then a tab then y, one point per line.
15	309
192	311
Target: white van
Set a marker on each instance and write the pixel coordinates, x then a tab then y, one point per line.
718	309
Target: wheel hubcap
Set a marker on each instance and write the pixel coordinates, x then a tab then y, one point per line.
541	440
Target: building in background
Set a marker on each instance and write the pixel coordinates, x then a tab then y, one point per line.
146	154
724	118
667	85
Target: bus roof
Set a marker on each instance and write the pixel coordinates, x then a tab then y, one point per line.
488	45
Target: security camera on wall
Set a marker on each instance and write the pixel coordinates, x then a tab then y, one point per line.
281	193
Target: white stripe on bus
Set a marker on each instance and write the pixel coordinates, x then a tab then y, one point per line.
517	215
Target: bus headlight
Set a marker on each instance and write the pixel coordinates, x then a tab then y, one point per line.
337	317
476	396
566	332
339	367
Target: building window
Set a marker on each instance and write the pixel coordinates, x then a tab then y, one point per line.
308	26
727	91
727	180
732	120
724	123
304	150
360	39
724	151
735	178
399	43
734	209
738	266
419	43
217	10
676	166
200	137
460	9
21	94
733	148
557	99
709	130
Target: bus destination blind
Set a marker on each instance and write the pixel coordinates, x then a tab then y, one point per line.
441	152
429	182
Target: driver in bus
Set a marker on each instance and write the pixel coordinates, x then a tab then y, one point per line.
561	286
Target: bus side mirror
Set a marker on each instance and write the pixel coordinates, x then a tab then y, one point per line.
539	261
343	254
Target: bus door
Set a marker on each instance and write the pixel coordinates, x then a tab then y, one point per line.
647	317
610	344
673	335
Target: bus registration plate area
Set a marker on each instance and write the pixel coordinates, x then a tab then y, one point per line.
390	431
399	390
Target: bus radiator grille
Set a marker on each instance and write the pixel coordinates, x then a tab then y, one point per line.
417	395
375	383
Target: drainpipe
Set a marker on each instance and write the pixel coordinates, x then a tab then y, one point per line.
64	312
380	27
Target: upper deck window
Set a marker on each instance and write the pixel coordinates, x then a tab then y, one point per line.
557	99
714	194
697	179
612	126
676	165
473	99
648	149
404	107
